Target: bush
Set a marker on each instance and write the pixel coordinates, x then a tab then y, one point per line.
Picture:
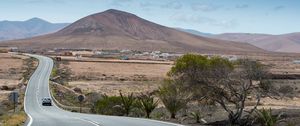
173	96
286	91
109	105
4	87
265	117
196	116
148	104
77	90
127	102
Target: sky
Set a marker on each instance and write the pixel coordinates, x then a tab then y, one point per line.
210	16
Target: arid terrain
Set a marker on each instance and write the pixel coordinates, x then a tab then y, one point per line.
110	76
15	70
11	69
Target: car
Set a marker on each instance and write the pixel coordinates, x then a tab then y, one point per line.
46	101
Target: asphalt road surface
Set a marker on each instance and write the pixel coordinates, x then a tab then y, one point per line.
38	115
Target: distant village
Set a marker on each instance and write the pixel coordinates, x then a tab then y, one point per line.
124	54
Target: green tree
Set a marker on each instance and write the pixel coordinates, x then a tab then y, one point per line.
221	81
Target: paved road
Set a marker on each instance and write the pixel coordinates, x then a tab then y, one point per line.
39	115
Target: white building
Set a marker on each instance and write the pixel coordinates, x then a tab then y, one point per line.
296	61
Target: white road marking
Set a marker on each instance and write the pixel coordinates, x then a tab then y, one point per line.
90	121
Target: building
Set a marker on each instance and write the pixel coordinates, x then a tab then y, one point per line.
296	61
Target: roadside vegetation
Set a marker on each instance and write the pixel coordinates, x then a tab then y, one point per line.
60	74
16	119
198	90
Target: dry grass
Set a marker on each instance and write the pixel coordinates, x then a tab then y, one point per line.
11	66
11	69
112	88
109	78
14	119
279	64
119	69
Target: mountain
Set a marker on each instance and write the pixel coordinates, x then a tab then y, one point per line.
114	29
24	29
195	32
278	43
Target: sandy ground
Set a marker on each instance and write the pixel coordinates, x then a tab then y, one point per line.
106	76
119	69
10	66
279	64
10	71
112	88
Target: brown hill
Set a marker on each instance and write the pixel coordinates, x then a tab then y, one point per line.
113	29
278	43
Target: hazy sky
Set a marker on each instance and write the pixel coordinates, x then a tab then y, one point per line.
213	16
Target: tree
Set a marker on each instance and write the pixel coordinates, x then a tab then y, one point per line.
173	96
221	81
148	103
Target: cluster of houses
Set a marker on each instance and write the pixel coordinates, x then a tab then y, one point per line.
121	54
5	49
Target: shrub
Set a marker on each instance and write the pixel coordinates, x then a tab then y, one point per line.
286	91
109	105
148	104
127	102
77	90
173	97
196	115
265	117
4	87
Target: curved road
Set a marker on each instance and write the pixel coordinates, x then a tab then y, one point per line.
38	87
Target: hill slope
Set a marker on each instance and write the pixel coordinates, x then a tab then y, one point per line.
278	43
113	29
24	29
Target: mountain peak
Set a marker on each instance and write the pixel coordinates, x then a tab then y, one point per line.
115	13
114	22
35	19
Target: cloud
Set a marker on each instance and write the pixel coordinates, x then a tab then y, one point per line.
277	8
172	5
204	7
196	20
242	6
